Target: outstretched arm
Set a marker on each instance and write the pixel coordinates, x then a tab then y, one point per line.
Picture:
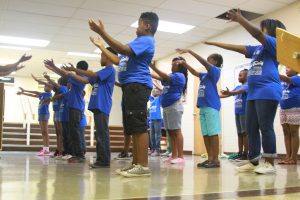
49	64
229	93
198	57
285	79
237	48
161	75
30	91
28	94
40	82
7	69
98	27
236	16
87	73
98	43
51	82
78	78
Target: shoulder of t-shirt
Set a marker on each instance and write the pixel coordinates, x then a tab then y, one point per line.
296	80
214	69
250	49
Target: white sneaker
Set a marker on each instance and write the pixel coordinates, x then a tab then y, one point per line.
137	171
124	169
249	167
266	168
66	157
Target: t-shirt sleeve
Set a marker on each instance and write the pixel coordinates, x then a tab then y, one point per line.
245	87
63	89
250	51
140	45
73	81
214	73
105	73
270	45
176	78
296	80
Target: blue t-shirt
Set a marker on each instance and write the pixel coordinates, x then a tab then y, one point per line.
44	109
135	68
154	109
241	99
208	92
291	94
173	89
103	87
64	108
263	75
75	95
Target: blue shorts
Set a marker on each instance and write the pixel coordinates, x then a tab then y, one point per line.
44	117
210	121
56	116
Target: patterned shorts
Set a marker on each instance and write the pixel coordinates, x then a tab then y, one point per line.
290	116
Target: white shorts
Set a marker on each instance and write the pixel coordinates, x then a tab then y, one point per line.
172	116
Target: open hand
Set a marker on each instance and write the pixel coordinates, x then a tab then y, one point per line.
34	77
96	26
234	15
226	92
97	41
50	63
24	58
180	62
19	93
182	51
208	43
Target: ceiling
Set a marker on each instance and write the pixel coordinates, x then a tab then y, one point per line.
64	23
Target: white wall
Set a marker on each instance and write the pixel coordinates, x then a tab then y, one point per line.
14	111
290	16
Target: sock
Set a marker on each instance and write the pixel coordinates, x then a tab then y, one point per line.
47	149
44	148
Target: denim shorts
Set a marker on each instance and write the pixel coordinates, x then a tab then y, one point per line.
44	117
56	116
240	121
210	121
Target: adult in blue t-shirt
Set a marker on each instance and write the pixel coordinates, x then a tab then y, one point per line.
290	115
240	93
264	90
175	85
100	101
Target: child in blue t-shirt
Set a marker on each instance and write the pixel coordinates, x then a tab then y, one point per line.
175	85
290	115
155	122
209	104
43	115
83	124
75	104
136	82
264	90
240	93
100	101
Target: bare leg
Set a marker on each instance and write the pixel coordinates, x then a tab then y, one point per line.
60	139
245	143
207	143
179	142
134	150
142	140
240	142
173	142
294	142
127	141
287	140
215	147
